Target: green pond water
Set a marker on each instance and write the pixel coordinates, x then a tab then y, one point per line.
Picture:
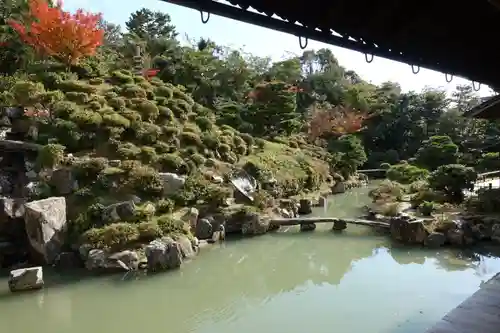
318	282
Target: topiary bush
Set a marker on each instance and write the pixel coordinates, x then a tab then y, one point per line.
76	86
50	156
453	179
121	77
406	173
147	109
170	163
386	191
190	139
204	123
133	91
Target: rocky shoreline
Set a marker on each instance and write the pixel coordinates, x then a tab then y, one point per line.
36	232
165	253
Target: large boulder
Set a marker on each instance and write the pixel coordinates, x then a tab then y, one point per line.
255	224
455	237
339	187
68	260
46	228
163	254
435	239
172	182
121	211
407	230
204	229
188	247
26	279
63	181
219	234
191	217
102	261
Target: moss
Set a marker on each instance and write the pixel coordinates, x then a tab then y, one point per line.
50	155
170	162
190	139
149	231
76	86
165	92
115	236
133	91
170	225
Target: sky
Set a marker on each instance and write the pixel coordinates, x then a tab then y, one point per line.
265	42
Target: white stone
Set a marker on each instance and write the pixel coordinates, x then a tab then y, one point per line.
26	279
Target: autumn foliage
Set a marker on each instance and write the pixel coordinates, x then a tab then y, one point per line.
261	91
54	32
334	122
150	73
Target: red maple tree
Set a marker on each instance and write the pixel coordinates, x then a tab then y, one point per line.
150	73
53	32
337	121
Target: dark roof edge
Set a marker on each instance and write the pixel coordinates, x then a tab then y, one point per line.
486	104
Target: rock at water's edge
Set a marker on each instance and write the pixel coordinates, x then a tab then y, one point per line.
339	187
26	279
101	261
408	231
163	254
435	239
305	206
46	227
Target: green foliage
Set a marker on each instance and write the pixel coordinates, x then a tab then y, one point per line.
204	123
351	152
169	225
164	206
96	81
149	230
76	86
115	236
170	163
78	97
26	93
489	162
50	155
385	166
427	207
453	179
387	191
437	151
406	173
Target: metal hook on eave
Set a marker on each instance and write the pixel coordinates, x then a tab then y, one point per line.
303	46
203	20
415	71
474	86
366	58
446	77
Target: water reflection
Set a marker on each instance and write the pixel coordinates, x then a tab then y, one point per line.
276	282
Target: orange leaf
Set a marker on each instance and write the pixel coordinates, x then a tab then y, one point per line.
54	32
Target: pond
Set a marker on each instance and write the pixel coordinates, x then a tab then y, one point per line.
287	281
